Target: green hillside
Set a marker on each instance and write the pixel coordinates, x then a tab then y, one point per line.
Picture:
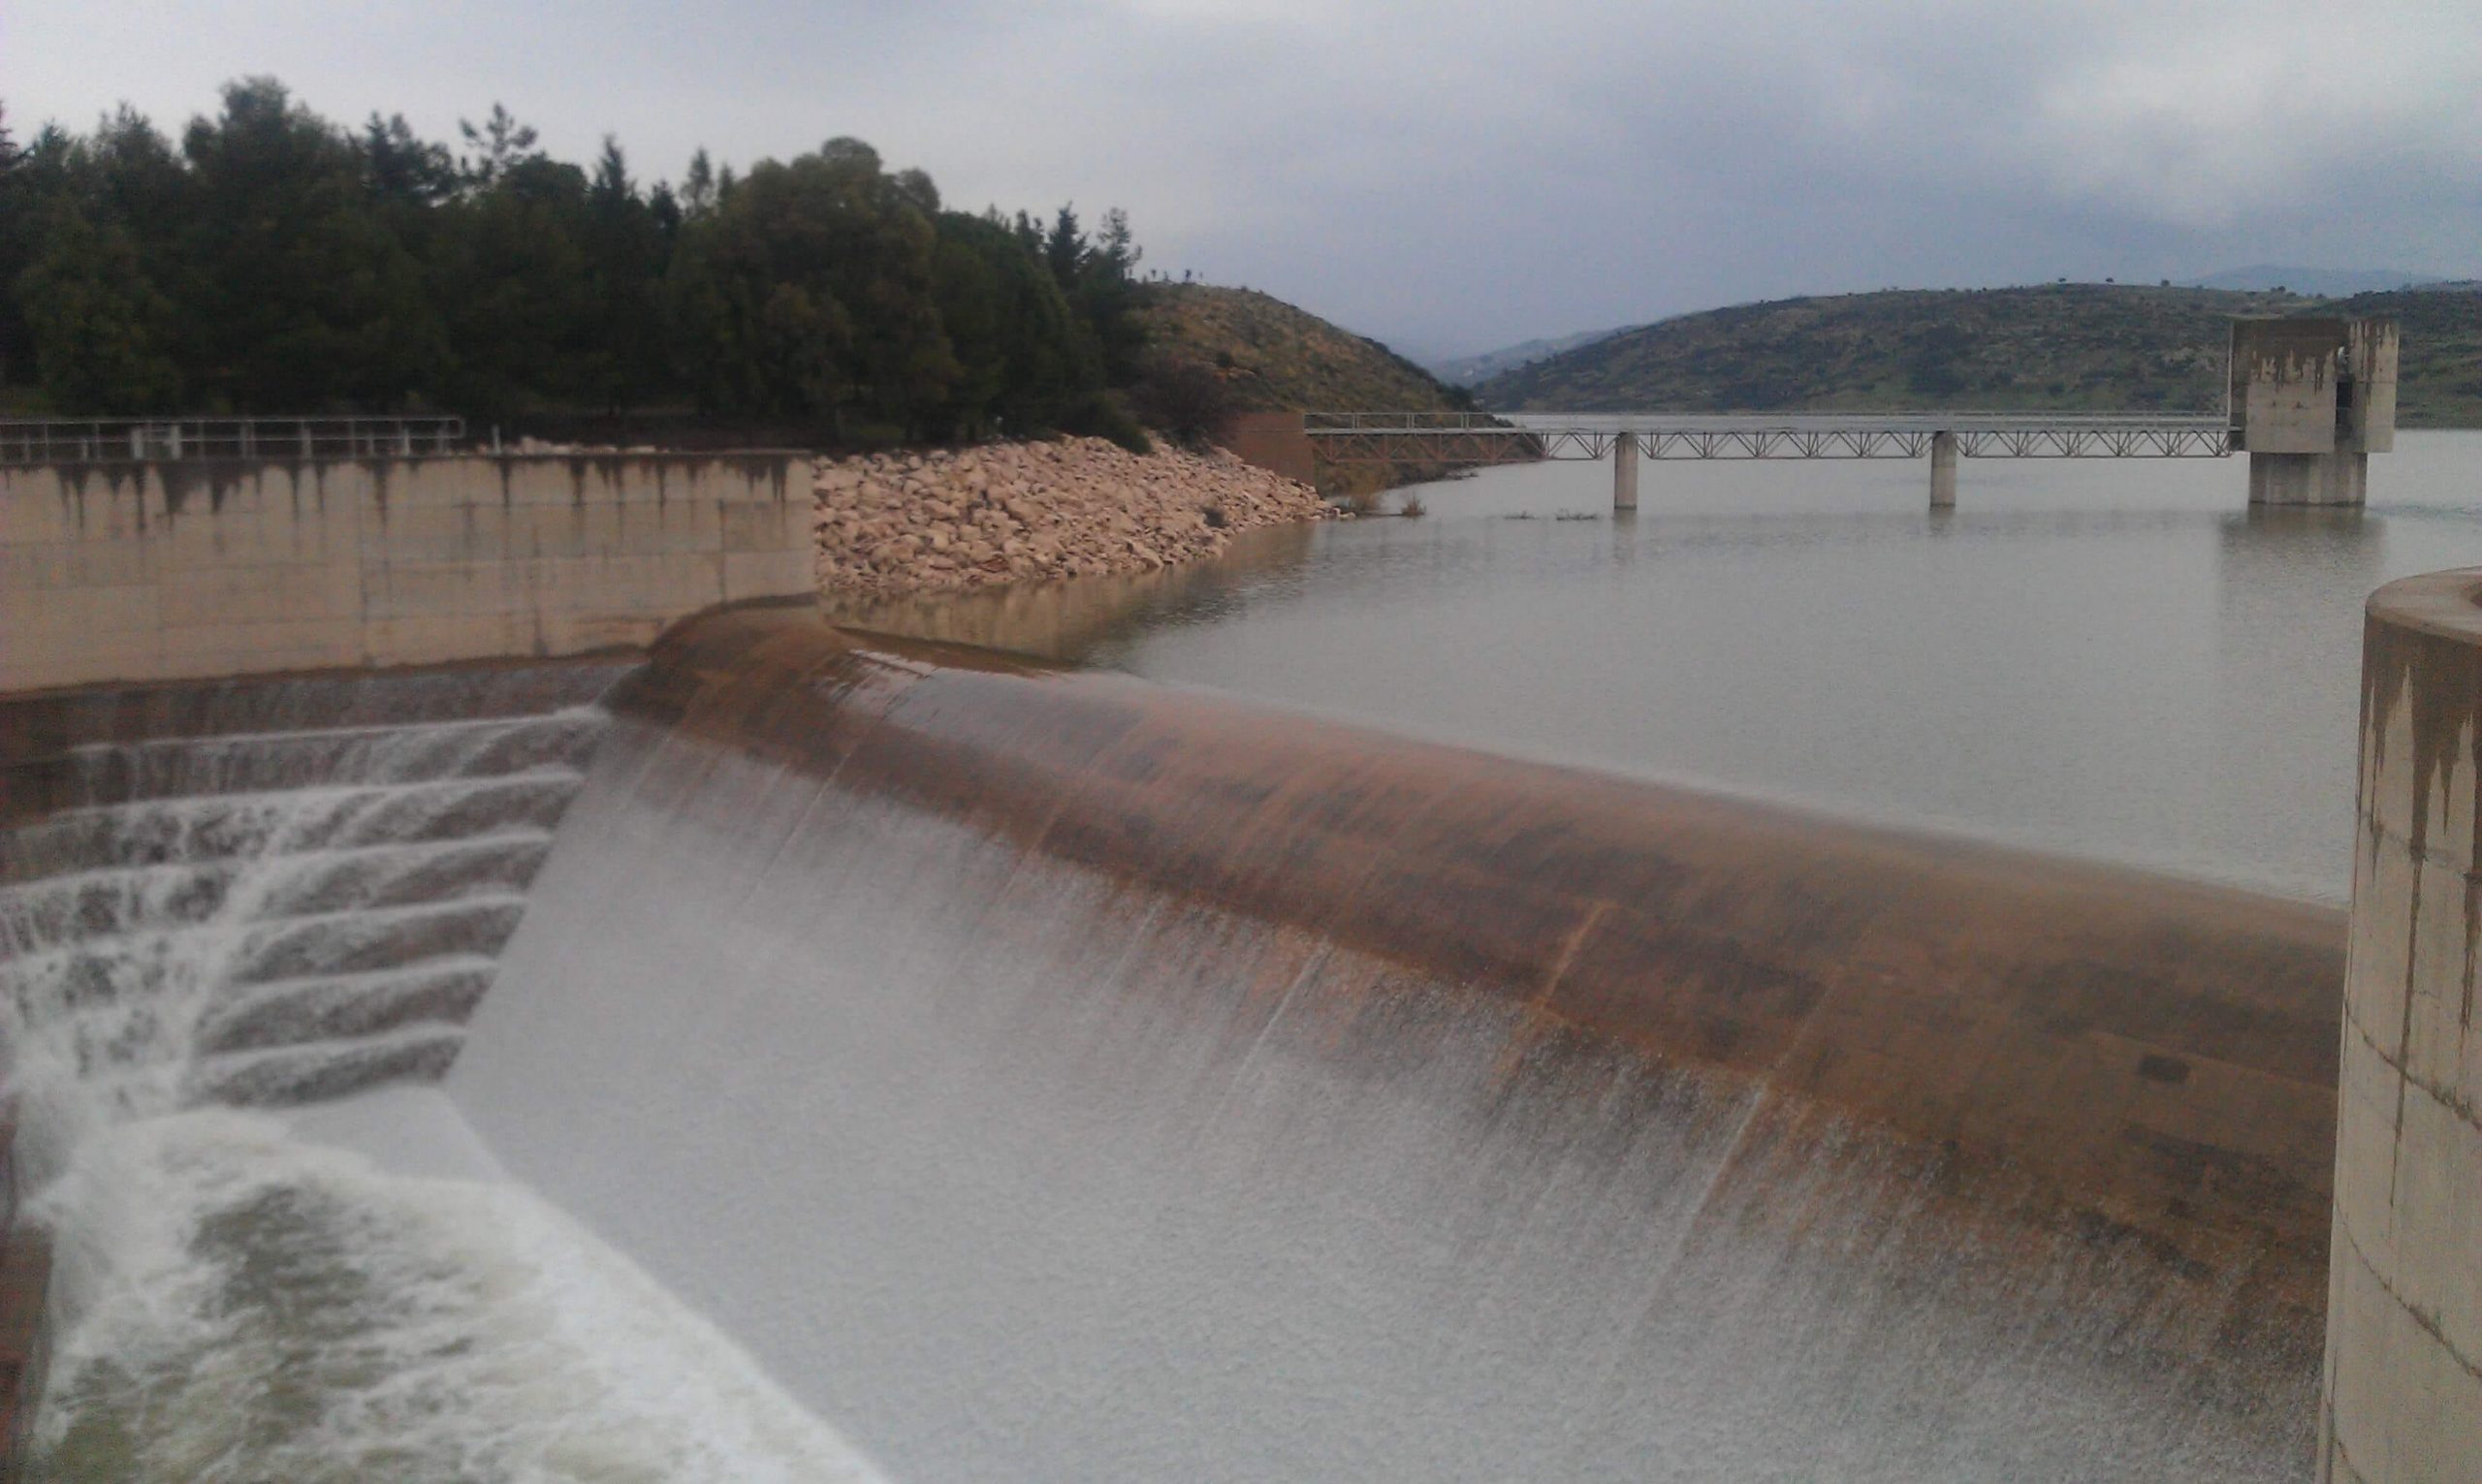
2064	347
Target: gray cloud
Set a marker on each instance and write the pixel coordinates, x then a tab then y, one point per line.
1457	174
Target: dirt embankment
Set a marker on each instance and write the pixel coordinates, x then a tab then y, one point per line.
893	524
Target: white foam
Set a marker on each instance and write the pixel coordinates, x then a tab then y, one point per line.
347	1291
242	1302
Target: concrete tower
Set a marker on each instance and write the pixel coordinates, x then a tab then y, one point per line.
2312	400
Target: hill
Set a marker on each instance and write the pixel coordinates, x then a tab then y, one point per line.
1270	354
1470	370
2325	282
2055	347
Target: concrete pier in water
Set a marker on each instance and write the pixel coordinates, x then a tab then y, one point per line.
1943	471
2312	400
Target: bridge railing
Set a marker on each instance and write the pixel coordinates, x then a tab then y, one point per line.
1316	423
149	440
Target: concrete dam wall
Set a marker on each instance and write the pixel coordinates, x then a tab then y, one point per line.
129	572
1052	1076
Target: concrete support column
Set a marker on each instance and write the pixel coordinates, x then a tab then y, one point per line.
1943	471
1624	471
2308	479
2402	1392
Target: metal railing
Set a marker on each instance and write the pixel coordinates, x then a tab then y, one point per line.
151	440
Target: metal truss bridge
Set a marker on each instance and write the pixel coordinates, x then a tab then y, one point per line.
1478	438
1461	437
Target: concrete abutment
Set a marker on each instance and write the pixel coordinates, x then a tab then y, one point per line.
2403	1385
200	568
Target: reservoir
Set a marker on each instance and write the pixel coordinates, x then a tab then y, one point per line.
2115	659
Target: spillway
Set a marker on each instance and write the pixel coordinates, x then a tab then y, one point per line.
1044	1075
242	928
1053	1076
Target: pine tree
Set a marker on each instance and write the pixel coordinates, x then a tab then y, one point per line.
501	144
1064	249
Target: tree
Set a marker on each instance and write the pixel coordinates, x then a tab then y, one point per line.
858	251
1184	398
626	251
402	168
510	274
296	295
43	171
698	187
500	143
1064	248
271	261
101	331
1025	364
1108	296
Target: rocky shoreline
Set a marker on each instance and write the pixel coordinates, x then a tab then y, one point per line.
952	521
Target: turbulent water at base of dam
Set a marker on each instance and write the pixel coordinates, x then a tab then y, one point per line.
242	1294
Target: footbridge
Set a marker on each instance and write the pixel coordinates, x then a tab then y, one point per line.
1479	438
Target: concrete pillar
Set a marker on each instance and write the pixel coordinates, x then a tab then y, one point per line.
1943	471
1624	471
2402	1399
2308	479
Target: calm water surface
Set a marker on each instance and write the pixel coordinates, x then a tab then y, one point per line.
2115	659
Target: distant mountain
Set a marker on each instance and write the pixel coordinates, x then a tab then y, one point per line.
2318	282
1470	370
2064	347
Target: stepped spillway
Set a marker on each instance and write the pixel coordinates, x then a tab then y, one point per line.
291	896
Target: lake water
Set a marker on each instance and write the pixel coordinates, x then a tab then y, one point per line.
2117	659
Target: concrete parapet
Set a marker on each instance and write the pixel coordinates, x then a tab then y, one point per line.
170	571
2403	1369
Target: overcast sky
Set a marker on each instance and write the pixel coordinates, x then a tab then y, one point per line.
1454	176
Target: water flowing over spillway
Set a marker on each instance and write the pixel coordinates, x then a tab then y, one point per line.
275	895
1033	1075
1059	1077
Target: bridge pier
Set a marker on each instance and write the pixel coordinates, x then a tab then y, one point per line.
1624	471
1943	471
2308	479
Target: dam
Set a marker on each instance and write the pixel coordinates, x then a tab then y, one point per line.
715	1043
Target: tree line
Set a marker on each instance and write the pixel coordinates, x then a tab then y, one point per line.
273	262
